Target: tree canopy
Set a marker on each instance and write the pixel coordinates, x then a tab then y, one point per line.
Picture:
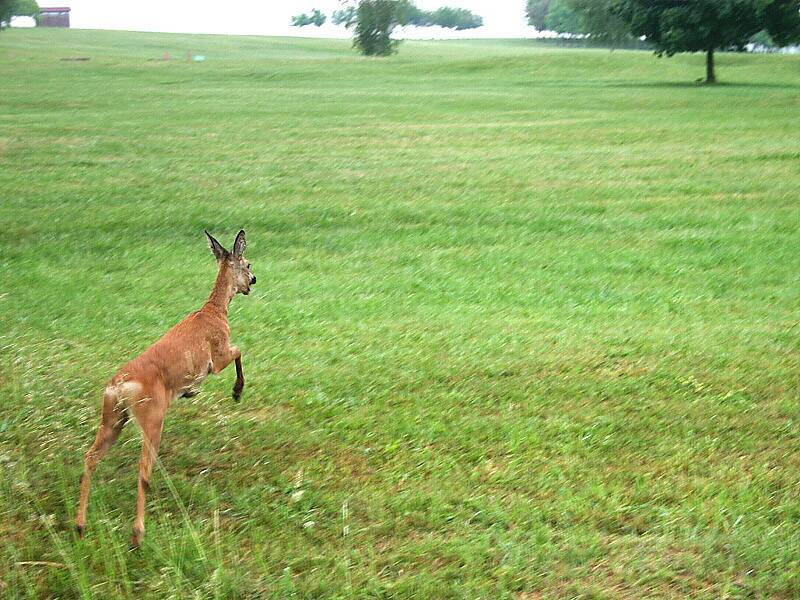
593	17
17	8
598	19
563	19
6	12
782	21
536	11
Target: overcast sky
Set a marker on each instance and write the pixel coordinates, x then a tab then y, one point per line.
502	18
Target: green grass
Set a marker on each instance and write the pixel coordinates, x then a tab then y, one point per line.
526	321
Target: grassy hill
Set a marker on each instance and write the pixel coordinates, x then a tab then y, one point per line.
526	321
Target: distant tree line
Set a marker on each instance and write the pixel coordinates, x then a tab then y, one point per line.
17	8
673	26
407	13
590	17
373	21
345	16
446	16
316	18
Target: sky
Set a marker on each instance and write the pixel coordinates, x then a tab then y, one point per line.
502	18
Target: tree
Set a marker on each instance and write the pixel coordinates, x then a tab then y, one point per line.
316	18
6	12
674	26
17	8
375	21
536	11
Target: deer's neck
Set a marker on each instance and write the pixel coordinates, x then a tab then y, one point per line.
223	291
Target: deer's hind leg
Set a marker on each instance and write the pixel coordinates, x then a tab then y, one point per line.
150	415
113	419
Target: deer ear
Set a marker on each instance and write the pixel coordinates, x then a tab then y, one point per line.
239	244
219	252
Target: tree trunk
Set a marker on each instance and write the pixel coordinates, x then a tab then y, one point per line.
710	76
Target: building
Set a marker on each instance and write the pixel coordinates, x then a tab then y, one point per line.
54	16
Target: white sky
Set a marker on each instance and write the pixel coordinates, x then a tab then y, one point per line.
502	18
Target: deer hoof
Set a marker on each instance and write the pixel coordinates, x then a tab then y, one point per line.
136	539
81	529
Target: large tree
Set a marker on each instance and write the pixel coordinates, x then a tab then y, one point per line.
374	22
674	26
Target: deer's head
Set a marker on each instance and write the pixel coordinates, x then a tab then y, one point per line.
234	263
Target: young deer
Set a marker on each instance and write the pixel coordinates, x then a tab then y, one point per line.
173	367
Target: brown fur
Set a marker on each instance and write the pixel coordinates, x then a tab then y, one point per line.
173	367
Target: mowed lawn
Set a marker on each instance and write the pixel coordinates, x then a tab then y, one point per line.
526	322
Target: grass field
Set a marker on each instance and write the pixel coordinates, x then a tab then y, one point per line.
526	323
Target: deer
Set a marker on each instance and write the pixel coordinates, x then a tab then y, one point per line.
173	367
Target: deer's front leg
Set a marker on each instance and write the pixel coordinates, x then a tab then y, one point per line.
232	354
222	358
239	385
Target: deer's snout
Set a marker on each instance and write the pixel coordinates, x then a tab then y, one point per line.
252	279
